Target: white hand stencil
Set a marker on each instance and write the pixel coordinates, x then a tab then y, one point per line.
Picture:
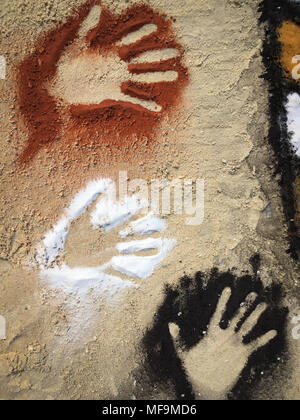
108	214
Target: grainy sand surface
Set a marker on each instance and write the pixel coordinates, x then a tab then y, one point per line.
74	347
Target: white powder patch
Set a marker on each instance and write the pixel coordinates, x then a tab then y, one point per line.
2	67
85	286
142	267
145	226
54	241
81	279
108	214
293	115
137	246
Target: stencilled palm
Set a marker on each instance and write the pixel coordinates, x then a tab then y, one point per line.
87	77
215	364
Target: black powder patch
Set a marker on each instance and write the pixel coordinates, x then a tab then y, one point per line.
191	306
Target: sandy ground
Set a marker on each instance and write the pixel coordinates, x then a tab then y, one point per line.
52	349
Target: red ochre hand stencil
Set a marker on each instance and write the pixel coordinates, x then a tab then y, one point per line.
107	78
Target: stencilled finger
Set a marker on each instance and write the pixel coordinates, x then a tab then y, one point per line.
146	225
147	104
141	245
137	266
263	341
221	308
109	214
242	310
91	21
136	36
155	56
155	77
252	320
175	334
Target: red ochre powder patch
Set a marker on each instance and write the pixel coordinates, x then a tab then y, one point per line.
115	123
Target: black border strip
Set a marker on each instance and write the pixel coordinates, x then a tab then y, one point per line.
274	12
